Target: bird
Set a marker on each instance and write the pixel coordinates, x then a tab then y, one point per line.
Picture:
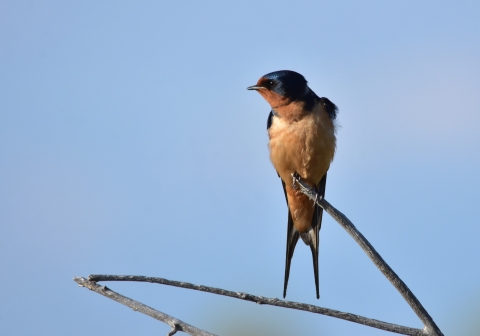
301	129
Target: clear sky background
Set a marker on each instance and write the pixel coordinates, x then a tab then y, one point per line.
130	145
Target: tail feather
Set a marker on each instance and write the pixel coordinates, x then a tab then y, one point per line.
314	232
292	239
313	242
310	238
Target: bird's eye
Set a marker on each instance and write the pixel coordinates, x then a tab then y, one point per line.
270	83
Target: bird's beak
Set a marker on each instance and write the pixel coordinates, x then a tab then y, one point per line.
255	87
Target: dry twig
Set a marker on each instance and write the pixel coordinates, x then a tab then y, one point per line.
430	328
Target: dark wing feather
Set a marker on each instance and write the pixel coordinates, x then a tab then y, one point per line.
330	107
269	120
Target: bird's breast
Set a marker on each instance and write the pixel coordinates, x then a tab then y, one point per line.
304	145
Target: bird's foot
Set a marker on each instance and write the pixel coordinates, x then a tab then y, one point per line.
315	200
317	197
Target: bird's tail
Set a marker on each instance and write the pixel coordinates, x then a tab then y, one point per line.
292	239
310	238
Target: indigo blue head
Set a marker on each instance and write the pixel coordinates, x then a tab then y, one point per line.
289	84
280	88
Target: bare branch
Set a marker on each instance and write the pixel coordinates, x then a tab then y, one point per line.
176	324
268	301
430	326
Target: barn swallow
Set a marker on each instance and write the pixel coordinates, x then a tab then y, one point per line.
301	131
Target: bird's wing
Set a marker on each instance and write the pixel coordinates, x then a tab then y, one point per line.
330	107
269	120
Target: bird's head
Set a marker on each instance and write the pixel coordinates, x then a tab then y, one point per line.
281	87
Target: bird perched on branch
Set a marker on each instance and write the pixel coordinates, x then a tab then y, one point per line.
301	130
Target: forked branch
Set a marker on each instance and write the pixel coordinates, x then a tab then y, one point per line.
430	328
176	324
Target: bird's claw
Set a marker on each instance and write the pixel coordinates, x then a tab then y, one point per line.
317	197
315	200
295	179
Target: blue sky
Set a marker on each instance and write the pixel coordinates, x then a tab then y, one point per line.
130	145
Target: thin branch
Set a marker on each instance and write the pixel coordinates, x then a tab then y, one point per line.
176	324
430	327
268	301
